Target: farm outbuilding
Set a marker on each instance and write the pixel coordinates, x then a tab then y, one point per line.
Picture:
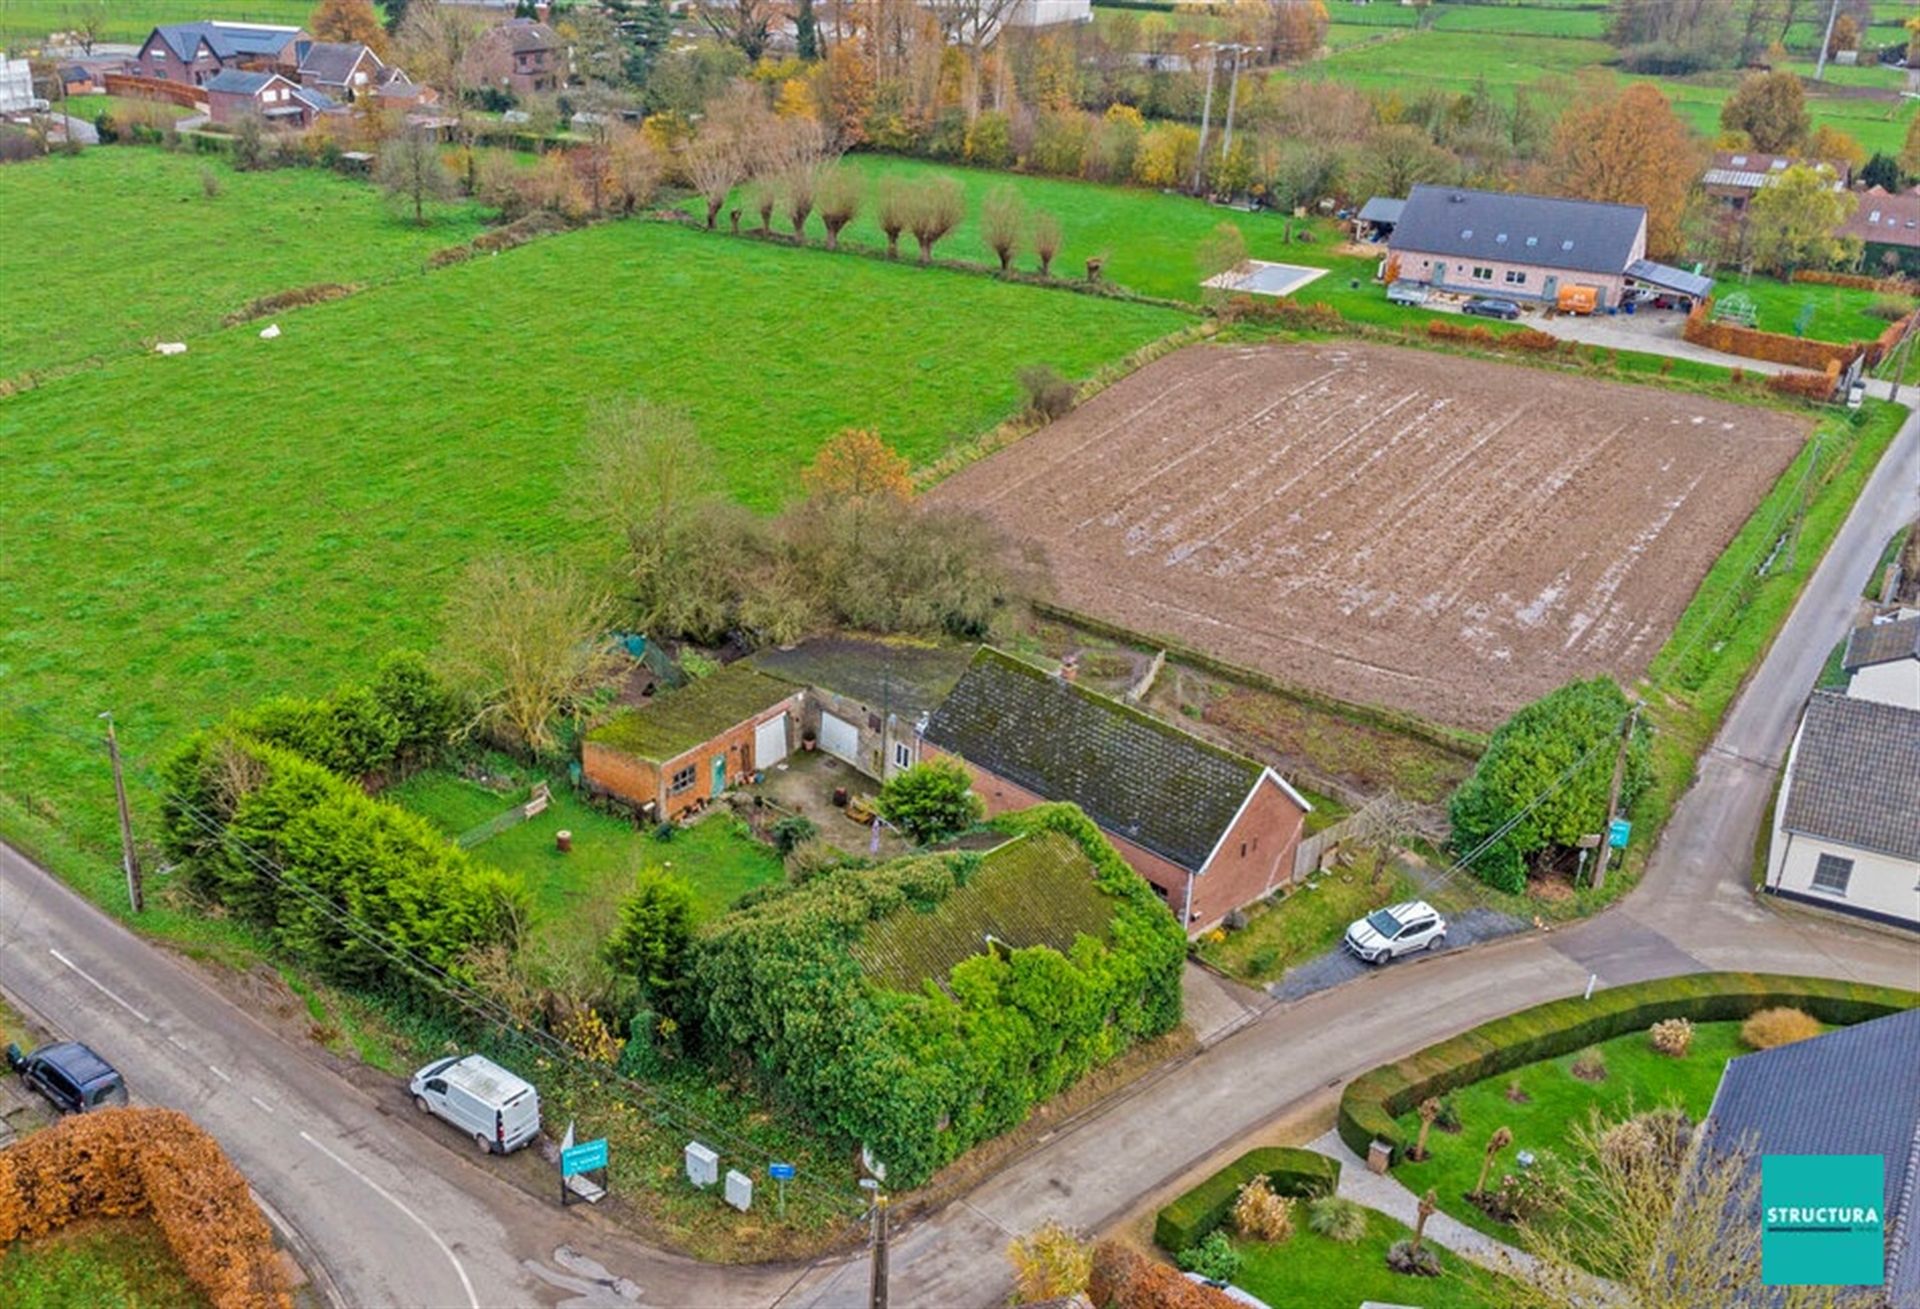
1211	830
865	700
684	748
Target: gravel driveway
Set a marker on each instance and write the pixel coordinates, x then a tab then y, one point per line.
1336	966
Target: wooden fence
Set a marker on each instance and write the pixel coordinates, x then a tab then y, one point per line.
135	87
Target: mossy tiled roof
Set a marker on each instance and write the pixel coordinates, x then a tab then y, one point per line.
1134	774
1034	890
678	721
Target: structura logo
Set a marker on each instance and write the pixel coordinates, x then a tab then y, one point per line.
1822	1220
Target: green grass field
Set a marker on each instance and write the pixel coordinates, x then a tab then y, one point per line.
717	857
1305	925
1638	1078
26	23
1309	1269
190	533
170	262
123	1262
1839	312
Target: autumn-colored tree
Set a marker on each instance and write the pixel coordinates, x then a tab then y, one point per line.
1791	223
844	91
1771	108
1629	147
857	464
1294	29
1046	236
1829	144
349	20
1049	1263
1910	149
1846	35
1397	156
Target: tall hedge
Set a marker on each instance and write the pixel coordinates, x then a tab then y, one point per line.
241	815
1289	1171
921	1077
1374	1100
402	718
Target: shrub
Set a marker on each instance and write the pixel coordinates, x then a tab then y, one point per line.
1780	1026
1589	1066
1214	1258
1337	1218
793	831
1672	1036
117	1162
1289	1172
1892	308
1260	1214
1049	396
654	934
1413	1260
1123	1278
209	184
931	801
811	858
587	1035
1447	1119
1049	1263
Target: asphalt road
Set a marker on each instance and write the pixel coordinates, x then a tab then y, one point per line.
398	1219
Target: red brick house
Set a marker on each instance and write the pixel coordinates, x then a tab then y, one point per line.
278	100
533	56
345	70
1210	829
193	53
686	747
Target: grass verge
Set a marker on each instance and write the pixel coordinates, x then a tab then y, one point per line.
1310	1269
95	1262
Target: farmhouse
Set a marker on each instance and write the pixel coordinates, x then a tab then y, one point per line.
1846	828
282	102
1882	663
865	700
192	53
686	747
1888	229
1530	247
1210	829
1849	1092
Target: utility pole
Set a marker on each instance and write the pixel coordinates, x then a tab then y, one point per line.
128	859
1613	797
1206	109
1905	350
1233	94
1820	69
877	1287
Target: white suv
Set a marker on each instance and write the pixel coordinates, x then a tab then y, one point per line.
1396	930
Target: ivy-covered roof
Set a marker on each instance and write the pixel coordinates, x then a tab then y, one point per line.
1034	890
1134	774
678	721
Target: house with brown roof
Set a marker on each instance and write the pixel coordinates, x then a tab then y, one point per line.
533	54
1888	229
1734	177
1211	830
685	748
1846	828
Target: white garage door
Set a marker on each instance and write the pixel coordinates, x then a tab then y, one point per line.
770	742
840	738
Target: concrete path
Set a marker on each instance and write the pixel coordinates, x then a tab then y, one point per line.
1362	1185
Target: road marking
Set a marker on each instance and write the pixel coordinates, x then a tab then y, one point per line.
90	981
262	1103
473	1300
176	1041
217	1073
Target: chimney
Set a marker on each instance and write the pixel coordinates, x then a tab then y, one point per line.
1070	668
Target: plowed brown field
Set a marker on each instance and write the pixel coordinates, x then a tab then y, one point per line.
1396	527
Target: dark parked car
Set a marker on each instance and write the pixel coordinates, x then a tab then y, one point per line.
73	1077
1483	306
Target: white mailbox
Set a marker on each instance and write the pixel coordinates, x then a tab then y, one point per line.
739	1190
703	1165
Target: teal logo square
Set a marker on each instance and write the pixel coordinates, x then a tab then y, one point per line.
1822	1220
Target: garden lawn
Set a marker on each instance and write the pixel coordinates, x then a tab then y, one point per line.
717	856
1638	1078
187	534
1839	312
123	1262
1312	1270
26	23
117	247
1304	926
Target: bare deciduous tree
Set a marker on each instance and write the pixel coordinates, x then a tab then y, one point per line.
1002	214
633	168
747	24
1046	240
839	197
714	166
937	206
408	168
526	642
762	197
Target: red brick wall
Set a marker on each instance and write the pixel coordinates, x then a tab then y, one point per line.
1256	856
634	780
640	782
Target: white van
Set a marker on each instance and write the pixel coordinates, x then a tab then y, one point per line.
499	1110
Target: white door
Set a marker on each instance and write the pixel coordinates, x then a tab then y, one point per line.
770	742
840	738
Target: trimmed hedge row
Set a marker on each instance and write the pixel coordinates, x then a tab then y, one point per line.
1288	1171
1374	1100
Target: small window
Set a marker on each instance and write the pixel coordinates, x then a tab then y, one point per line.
1500	239
1482	274
1566	245
902	755
1874	217
1243	849
1832	874
1533	241
1515	277
682	780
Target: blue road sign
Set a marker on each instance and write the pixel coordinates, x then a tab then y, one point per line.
583	1158
1617	833
780	1172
